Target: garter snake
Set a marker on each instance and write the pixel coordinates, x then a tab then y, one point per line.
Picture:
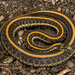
36	55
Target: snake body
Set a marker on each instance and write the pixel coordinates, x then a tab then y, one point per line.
37	55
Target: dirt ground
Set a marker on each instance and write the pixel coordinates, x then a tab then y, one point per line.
12	8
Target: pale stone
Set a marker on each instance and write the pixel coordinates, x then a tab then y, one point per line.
70	64
32	71
20	33
1	18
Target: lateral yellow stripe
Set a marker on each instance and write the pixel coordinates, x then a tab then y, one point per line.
44	35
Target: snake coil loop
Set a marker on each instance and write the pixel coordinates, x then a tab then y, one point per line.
60	45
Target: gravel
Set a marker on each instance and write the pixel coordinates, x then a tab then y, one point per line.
8	60
70	64
10	16
54	70
33	71
1	17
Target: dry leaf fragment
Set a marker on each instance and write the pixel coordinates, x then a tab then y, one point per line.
64	71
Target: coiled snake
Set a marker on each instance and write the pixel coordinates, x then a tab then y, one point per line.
60	46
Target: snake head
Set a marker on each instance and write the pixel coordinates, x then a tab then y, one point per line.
66	48
69	48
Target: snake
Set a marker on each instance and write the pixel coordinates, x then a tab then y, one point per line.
59	46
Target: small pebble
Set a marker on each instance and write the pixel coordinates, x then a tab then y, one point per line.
1	18
59	9
43	68
74	17
23	71
17	63
54	69
44	72
69	64
56	0
69	47
67	11
53	2
20	33
33	70
7	12
4	72
19	42
38	70
25	29
8	60
6	5
25	8
20	38
28	73
3	2
11	16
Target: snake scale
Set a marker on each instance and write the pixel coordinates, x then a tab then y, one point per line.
60	46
